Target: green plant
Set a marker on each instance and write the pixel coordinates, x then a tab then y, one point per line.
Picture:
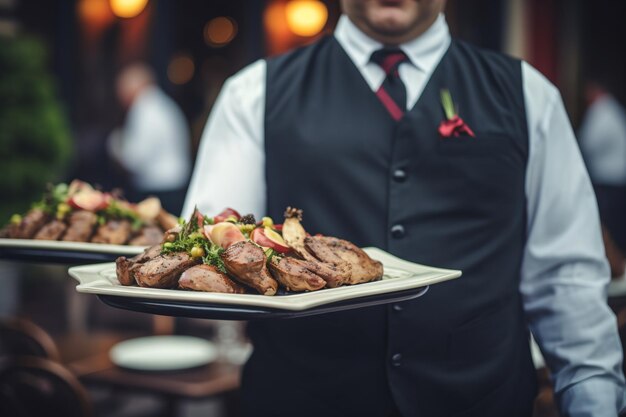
35	143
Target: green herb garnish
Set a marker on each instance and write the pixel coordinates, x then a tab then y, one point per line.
54	196
191	240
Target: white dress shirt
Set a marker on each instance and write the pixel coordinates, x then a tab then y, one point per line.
154	143
564	273
603	141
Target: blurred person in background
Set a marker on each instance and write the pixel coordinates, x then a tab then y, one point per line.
153	146
357	130
602	139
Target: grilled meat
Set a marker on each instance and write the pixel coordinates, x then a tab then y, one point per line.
30	224
8	231
246	262
294	275
208	278
148	253
164	270
115	232
334	275
148	236
294	235
340	252
51	231
125	268
81	225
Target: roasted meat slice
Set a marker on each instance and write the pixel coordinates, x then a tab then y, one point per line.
164	270
148	253
30	224
341	252
8	231
115	232
51	231
125	268
294	275
147	236
210	279
246	262
81	225
334	275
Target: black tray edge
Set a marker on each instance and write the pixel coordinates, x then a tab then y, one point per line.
236	312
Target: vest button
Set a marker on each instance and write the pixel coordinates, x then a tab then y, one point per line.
397	307
396	359
399	175
397	231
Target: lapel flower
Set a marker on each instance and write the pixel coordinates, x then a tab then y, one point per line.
453	125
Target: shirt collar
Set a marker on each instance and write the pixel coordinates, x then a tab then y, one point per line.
424	51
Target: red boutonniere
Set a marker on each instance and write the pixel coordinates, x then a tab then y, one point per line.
453	125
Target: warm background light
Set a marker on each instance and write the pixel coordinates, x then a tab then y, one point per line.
94	11
95	16
306	17
128	8
180	69
220	31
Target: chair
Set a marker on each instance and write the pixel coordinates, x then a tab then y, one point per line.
20	337
33	387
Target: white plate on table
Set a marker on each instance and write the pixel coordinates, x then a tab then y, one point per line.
163	353
399	275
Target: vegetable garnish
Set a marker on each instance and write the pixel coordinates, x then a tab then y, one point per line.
192	240
60	200
201	238
52	198
197	246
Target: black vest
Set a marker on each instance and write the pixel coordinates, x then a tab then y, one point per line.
332	149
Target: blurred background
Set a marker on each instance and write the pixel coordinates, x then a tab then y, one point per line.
60	106
74	50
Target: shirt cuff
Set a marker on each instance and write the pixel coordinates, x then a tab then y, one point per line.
593	397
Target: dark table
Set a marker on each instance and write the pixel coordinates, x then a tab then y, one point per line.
216	380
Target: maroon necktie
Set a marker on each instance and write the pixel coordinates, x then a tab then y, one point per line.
392	92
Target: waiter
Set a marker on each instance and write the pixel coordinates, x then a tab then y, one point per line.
357	130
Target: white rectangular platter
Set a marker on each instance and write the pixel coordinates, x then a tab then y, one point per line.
58	252
399	275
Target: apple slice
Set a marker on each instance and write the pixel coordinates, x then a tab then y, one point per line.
225	234
90	200
206	230
268	238
77	186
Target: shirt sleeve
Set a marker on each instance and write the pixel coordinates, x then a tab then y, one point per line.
564	273
230	166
